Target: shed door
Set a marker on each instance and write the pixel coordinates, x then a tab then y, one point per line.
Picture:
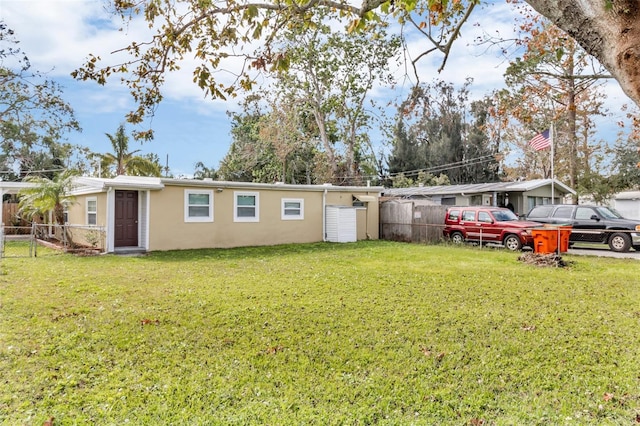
126	219
341	226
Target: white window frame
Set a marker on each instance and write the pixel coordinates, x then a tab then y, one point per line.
299	216
256	217
93	212
187	217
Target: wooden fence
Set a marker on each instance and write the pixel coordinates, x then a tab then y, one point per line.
10	215
411	221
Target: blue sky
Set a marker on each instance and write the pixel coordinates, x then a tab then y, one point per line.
57	35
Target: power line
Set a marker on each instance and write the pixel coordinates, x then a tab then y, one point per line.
25	172
434	169
442	167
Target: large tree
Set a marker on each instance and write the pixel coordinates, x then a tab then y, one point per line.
607	29
554	82
271	141
330	77
626	156
33	116
291	135
210	31
247	156
439	131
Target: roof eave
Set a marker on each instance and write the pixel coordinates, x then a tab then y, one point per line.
274	186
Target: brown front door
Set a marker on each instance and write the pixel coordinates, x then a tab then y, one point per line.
126	219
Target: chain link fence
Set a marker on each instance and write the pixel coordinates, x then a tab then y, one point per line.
46	239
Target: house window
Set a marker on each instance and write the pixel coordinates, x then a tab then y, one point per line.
536	201
246	207
92	211
292	209
198	205
540	212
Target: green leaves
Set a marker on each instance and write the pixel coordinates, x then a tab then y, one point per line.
35	116
122	161
47	196
251	12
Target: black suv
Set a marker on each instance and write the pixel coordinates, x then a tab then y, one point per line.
594	224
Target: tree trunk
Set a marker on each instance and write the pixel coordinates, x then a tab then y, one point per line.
611	35
573	151
326	143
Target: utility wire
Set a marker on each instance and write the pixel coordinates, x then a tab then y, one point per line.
25	172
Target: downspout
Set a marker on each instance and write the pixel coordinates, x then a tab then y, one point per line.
366	220
324	216
366	217
146	220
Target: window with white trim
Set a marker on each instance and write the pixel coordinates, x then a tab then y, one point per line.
292	209
198	205
246	207
92	211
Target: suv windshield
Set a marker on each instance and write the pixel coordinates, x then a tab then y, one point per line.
608	213
504	215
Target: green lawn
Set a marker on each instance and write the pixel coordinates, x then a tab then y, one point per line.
366	333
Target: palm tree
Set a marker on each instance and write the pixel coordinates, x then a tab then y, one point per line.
47	196
125	161
203	172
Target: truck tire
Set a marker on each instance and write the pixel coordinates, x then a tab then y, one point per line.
620	242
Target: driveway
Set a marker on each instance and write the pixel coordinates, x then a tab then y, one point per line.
601	252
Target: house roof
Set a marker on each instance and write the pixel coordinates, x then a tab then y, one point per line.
280	186
476	188
90	184
13	187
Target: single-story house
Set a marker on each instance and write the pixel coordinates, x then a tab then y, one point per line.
146	213
522	196
627	203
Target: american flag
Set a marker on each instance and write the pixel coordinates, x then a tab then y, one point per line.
540	141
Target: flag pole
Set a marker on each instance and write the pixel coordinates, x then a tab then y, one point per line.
553	177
